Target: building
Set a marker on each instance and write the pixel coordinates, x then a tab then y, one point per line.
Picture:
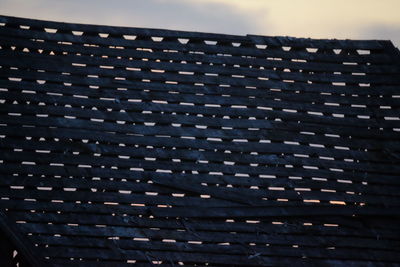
129	145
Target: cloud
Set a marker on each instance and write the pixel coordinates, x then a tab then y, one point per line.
173	14
381	31
341	19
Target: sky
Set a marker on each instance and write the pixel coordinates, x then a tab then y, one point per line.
340	19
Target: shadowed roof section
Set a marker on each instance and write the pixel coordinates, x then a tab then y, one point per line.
128	145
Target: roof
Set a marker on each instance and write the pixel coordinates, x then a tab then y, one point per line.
128	145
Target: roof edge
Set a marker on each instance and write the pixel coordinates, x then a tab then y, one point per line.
252	38
24	246
392	50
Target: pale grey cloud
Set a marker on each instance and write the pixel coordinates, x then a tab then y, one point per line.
300	18
381	31
172	14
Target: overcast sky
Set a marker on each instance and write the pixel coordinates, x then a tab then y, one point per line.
353	19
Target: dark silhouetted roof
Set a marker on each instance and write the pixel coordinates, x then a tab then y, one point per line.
128	145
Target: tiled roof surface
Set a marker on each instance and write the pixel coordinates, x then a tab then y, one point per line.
128	145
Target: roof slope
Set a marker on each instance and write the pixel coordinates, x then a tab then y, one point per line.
128	145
